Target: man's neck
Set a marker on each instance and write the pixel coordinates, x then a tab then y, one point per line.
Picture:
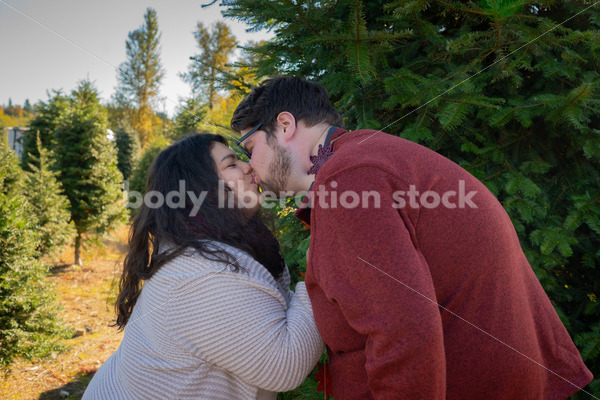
320	139
315	136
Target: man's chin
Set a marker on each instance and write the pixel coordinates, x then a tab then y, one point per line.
274	193
269	190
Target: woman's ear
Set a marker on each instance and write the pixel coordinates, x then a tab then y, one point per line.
287	123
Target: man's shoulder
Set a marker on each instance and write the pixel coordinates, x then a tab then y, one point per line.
374	143
361	150
371	137
368	148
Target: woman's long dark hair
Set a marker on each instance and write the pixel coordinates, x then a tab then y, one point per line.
188	161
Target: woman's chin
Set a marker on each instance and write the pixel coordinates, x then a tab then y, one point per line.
252	204
260	200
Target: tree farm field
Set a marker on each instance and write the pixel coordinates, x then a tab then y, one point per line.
86	294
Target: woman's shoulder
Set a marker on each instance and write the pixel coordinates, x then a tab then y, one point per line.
192	263
192	271
248	266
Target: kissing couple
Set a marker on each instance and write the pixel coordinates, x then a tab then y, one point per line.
412	302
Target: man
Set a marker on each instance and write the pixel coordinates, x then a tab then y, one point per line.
417	279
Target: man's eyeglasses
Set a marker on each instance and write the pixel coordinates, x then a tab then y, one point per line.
246	136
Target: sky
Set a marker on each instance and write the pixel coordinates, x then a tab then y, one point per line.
54	44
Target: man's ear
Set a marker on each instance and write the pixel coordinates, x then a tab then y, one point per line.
287	123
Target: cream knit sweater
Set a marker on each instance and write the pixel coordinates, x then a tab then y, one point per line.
202	331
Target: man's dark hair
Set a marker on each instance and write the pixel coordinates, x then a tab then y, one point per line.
307	101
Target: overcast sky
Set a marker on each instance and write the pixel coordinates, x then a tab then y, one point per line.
86	38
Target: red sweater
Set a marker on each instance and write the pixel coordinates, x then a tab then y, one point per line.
427	302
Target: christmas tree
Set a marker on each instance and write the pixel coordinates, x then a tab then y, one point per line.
28	311
50	206
87	162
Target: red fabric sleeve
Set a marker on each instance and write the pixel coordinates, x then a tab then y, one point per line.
365	261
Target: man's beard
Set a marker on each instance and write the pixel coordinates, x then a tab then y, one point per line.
280	168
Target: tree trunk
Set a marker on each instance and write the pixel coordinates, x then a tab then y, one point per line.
78	250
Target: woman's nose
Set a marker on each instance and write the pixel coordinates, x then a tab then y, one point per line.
246	167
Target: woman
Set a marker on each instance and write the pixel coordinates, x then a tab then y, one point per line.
215	318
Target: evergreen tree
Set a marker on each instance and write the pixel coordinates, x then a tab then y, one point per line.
216	47
28	107
508	89
190	118
43	124
11	174
128	149
139	177
87	162
241	76
50	207
140	76
29	326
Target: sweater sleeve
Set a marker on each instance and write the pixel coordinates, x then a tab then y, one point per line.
367	265
242	325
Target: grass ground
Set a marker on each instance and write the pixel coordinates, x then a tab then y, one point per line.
87	295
